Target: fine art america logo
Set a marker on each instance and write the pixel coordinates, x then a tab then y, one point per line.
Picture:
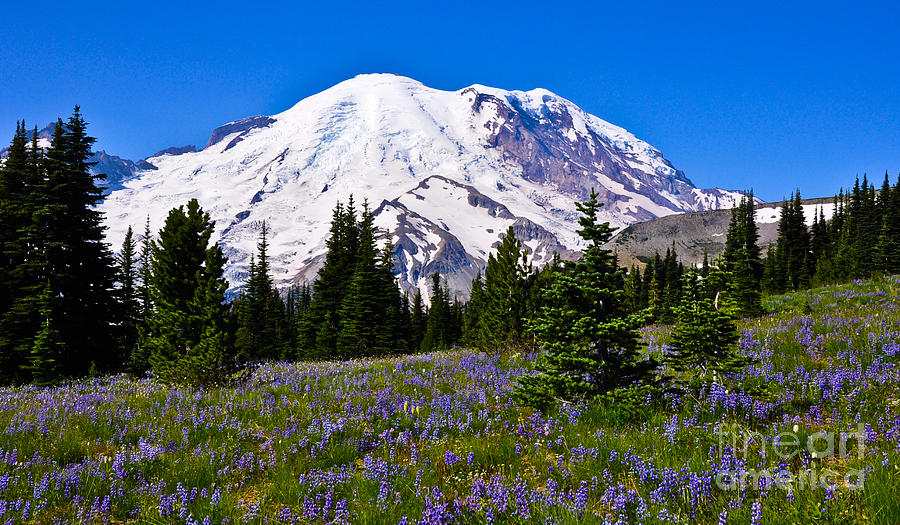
823	447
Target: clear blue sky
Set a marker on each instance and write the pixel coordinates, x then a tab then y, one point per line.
758	95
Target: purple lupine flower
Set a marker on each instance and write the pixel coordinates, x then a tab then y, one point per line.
755	513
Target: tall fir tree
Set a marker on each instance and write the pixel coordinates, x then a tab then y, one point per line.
418	322
404	322
437	325
504	298
261	332
363	312
646	278
821	247
54	245
846	258
145	272
671	291
771	282
45	351
393	333
889	237
80	266
536	285
187	333
318	332
868	230
883	199
18	317
741	257
591	344
632	301
129	302
139	362
432	336
474	309
792	262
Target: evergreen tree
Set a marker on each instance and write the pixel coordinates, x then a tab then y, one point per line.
42	361
128	295
867	238
704	338
363	315
247	319
318	333
632	301
646	279
187	333
404	322
455	316
861	236
393	333
836	225
889	237
822	249
536	285
53	244
792	251
436	335
671	287
741	257
883	200
846	259
591	344
818	236
295	307
432	337
139	362
326	336
80	268
657	284
306	329
474	310
18	318
418	322
146	303
260	310
654	301
772	281
504	298
718	286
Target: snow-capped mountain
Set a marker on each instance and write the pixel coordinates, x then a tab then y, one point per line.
446	171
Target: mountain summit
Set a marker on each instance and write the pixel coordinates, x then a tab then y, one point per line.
446	171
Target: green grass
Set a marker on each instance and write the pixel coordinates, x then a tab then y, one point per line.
368	441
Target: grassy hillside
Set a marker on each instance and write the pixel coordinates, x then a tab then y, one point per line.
437	438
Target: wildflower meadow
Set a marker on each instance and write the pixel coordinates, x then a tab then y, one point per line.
809	433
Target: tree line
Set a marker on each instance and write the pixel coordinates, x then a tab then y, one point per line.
355	307
861	239
587	324
186	331
58	301
70	307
